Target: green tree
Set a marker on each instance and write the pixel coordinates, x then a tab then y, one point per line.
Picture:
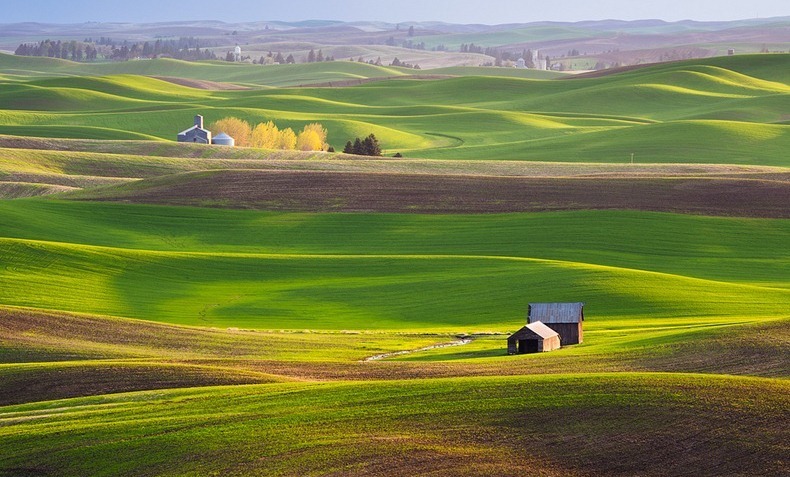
358	148
371	146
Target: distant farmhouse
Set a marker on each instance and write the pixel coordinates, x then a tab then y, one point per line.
564	318
538	62
533	338
197	134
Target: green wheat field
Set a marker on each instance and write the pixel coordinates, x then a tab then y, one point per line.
171	309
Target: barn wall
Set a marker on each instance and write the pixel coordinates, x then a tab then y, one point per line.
570	333
551	344
512	346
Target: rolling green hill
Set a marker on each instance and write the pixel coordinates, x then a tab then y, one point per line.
722	111
480	426
214	71
293	339
349	269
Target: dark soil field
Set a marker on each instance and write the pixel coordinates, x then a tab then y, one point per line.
761	195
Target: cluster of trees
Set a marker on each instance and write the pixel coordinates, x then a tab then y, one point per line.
313	57
67	50
364	147
106	48
395	62
278	58
471	48
409	44
269	136
402	64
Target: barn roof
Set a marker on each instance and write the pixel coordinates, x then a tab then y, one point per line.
184	132
542	330
555	312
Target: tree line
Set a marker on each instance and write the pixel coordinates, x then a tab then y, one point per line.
268	136
187	48
364	147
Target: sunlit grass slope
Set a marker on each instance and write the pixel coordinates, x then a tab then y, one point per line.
707	112
628	424
325	271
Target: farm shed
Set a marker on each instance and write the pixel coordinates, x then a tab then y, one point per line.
564	318
533	338
196	134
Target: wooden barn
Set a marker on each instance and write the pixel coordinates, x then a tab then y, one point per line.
533	338
564	318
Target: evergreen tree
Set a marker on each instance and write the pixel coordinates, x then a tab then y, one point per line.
311	56
349	149
371	146
411	30
358	148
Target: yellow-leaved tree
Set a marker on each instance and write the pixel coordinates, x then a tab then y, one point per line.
287	139
308	141
266	136
312	138
236	128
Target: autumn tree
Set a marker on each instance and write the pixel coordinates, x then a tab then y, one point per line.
308	141
266	136
287	139
312	138
236	128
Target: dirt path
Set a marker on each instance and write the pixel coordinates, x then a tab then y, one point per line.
379	357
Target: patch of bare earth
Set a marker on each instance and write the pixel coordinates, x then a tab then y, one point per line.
760	196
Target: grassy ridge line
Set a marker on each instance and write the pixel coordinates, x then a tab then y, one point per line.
720	249
46	153
17	190
412	426
39	336
353	292
23	383
70	355
224	72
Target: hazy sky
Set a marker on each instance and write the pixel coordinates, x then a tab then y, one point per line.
453	11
